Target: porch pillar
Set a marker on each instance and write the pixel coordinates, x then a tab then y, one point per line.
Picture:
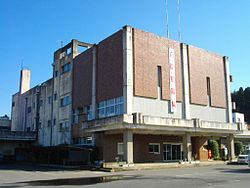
187	147
230	147
128	146
221	147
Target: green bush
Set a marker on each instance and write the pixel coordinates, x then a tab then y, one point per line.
214	147
238	147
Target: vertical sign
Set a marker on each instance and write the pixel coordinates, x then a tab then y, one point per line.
172	80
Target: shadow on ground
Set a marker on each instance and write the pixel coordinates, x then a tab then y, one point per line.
34	167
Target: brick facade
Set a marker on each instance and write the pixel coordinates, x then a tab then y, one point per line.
110	68
82	79
203	64
151	51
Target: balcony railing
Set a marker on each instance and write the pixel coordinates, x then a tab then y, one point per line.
17	135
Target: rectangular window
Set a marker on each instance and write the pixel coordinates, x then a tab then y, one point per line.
64	126
66	68
55	96
75	117
41	103
159	82
56	73
29	109
120	148
49	123
208	91
89	116
65	101
50	100
110	107
154	148
54	121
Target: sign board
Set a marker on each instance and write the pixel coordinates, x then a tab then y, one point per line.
172	80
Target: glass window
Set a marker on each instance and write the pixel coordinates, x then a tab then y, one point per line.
50	100
29	109
110	107
154	148
120	148
55	96
56	73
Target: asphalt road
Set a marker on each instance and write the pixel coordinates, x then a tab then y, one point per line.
12	176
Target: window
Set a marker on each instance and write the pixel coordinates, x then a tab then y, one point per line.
154	148
56	73
13	104
41	103
110	107
34	105
89	116
55	96
65	101
208	91
49	123
66	68
64	126
54	121
75	117
83	141
120	148
29	109
50	100
159	82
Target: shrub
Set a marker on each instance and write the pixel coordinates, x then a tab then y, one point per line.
214	147
238	147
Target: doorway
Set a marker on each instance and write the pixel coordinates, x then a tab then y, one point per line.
172	152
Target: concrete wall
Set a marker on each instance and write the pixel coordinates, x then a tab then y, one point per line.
208	113
155	107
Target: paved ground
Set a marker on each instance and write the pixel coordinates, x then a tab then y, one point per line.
12	176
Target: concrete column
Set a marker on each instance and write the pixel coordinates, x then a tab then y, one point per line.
94	83
24	81
185	81
230	147
228	94
127	70
221	147
187	147
128	146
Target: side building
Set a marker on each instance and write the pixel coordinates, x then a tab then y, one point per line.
136	96
46	108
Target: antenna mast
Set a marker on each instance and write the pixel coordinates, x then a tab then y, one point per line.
167	18
179	19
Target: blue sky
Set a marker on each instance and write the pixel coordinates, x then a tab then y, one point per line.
31	30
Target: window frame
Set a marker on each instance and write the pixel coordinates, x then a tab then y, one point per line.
154	144
119	148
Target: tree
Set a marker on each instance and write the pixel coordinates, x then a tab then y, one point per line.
214	147
238	147
242	99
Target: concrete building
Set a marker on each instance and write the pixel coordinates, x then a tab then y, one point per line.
47	108
136	96
5	123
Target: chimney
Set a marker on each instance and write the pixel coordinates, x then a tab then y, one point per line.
24	81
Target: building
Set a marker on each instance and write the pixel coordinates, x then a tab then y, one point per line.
5	123
136	96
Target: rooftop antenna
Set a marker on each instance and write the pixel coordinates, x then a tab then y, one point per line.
167	18
179	19
22	64
60	42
